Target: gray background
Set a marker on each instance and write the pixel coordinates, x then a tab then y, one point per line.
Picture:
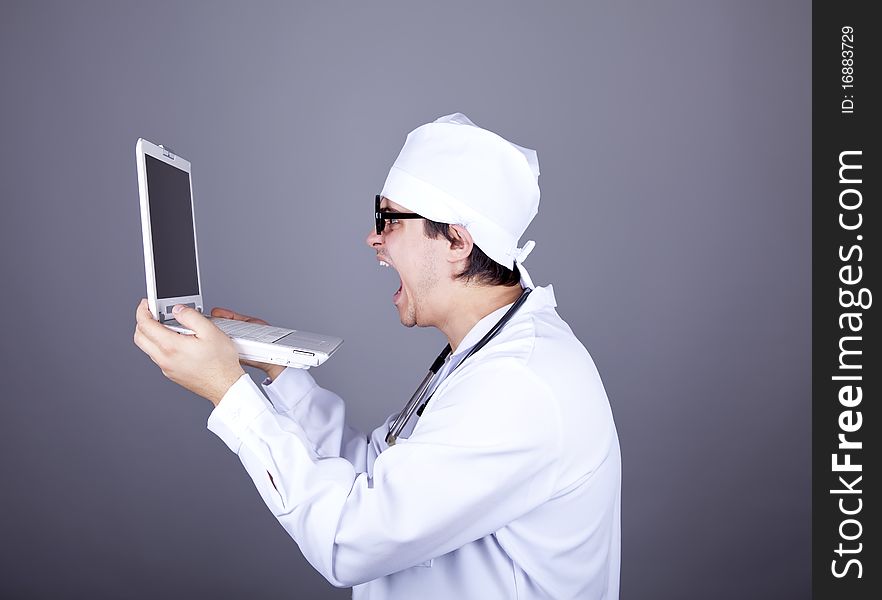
674	141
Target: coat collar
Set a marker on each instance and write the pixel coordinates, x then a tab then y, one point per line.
539	298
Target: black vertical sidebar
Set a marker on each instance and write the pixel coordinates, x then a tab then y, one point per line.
846	366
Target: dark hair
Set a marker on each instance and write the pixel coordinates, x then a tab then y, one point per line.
480	267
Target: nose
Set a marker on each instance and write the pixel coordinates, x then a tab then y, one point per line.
374	239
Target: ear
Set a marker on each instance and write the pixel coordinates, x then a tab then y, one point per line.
461	246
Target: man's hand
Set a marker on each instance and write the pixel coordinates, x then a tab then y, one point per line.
272	371
206	363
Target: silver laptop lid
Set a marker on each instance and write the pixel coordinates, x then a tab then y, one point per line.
171	258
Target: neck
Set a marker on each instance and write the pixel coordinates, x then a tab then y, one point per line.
469	304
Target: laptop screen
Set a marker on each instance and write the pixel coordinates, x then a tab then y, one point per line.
171	225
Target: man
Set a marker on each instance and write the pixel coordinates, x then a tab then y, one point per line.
506	482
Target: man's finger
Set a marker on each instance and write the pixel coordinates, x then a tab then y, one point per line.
161	336
143	313
147	347
223	313
226	313
193	319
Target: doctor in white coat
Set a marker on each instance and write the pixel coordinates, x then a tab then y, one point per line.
504	479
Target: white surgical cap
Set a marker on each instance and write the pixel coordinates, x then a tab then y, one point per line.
452	171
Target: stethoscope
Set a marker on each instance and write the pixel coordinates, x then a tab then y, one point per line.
416	403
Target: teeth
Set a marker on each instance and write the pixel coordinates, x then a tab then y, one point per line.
384	264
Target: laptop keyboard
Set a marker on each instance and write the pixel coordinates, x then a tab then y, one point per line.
251	331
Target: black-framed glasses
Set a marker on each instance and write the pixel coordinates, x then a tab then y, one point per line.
380	217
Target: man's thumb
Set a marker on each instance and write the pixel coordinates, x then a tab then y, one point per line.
191	319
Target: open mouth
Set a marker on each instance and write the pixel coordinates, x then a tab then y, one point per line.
397	295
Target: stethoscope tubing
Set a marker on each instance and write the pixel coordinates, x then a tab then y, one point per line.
413	405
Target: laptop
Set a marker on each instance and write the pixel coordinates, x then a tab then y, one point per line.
171	264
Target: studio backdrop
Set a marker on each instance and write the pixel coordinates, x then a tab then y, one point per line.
674	144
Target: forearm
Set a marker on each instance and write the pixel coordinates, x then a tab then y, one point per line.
352	527
320	413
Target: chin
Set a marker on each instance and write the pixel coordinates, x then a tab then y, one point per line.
407	319
406	314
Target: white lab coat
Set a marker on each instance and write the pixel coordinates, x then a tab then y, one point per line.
507	487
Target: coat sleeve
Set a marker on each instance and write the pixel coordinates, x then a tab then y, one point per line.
321	415
483	454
